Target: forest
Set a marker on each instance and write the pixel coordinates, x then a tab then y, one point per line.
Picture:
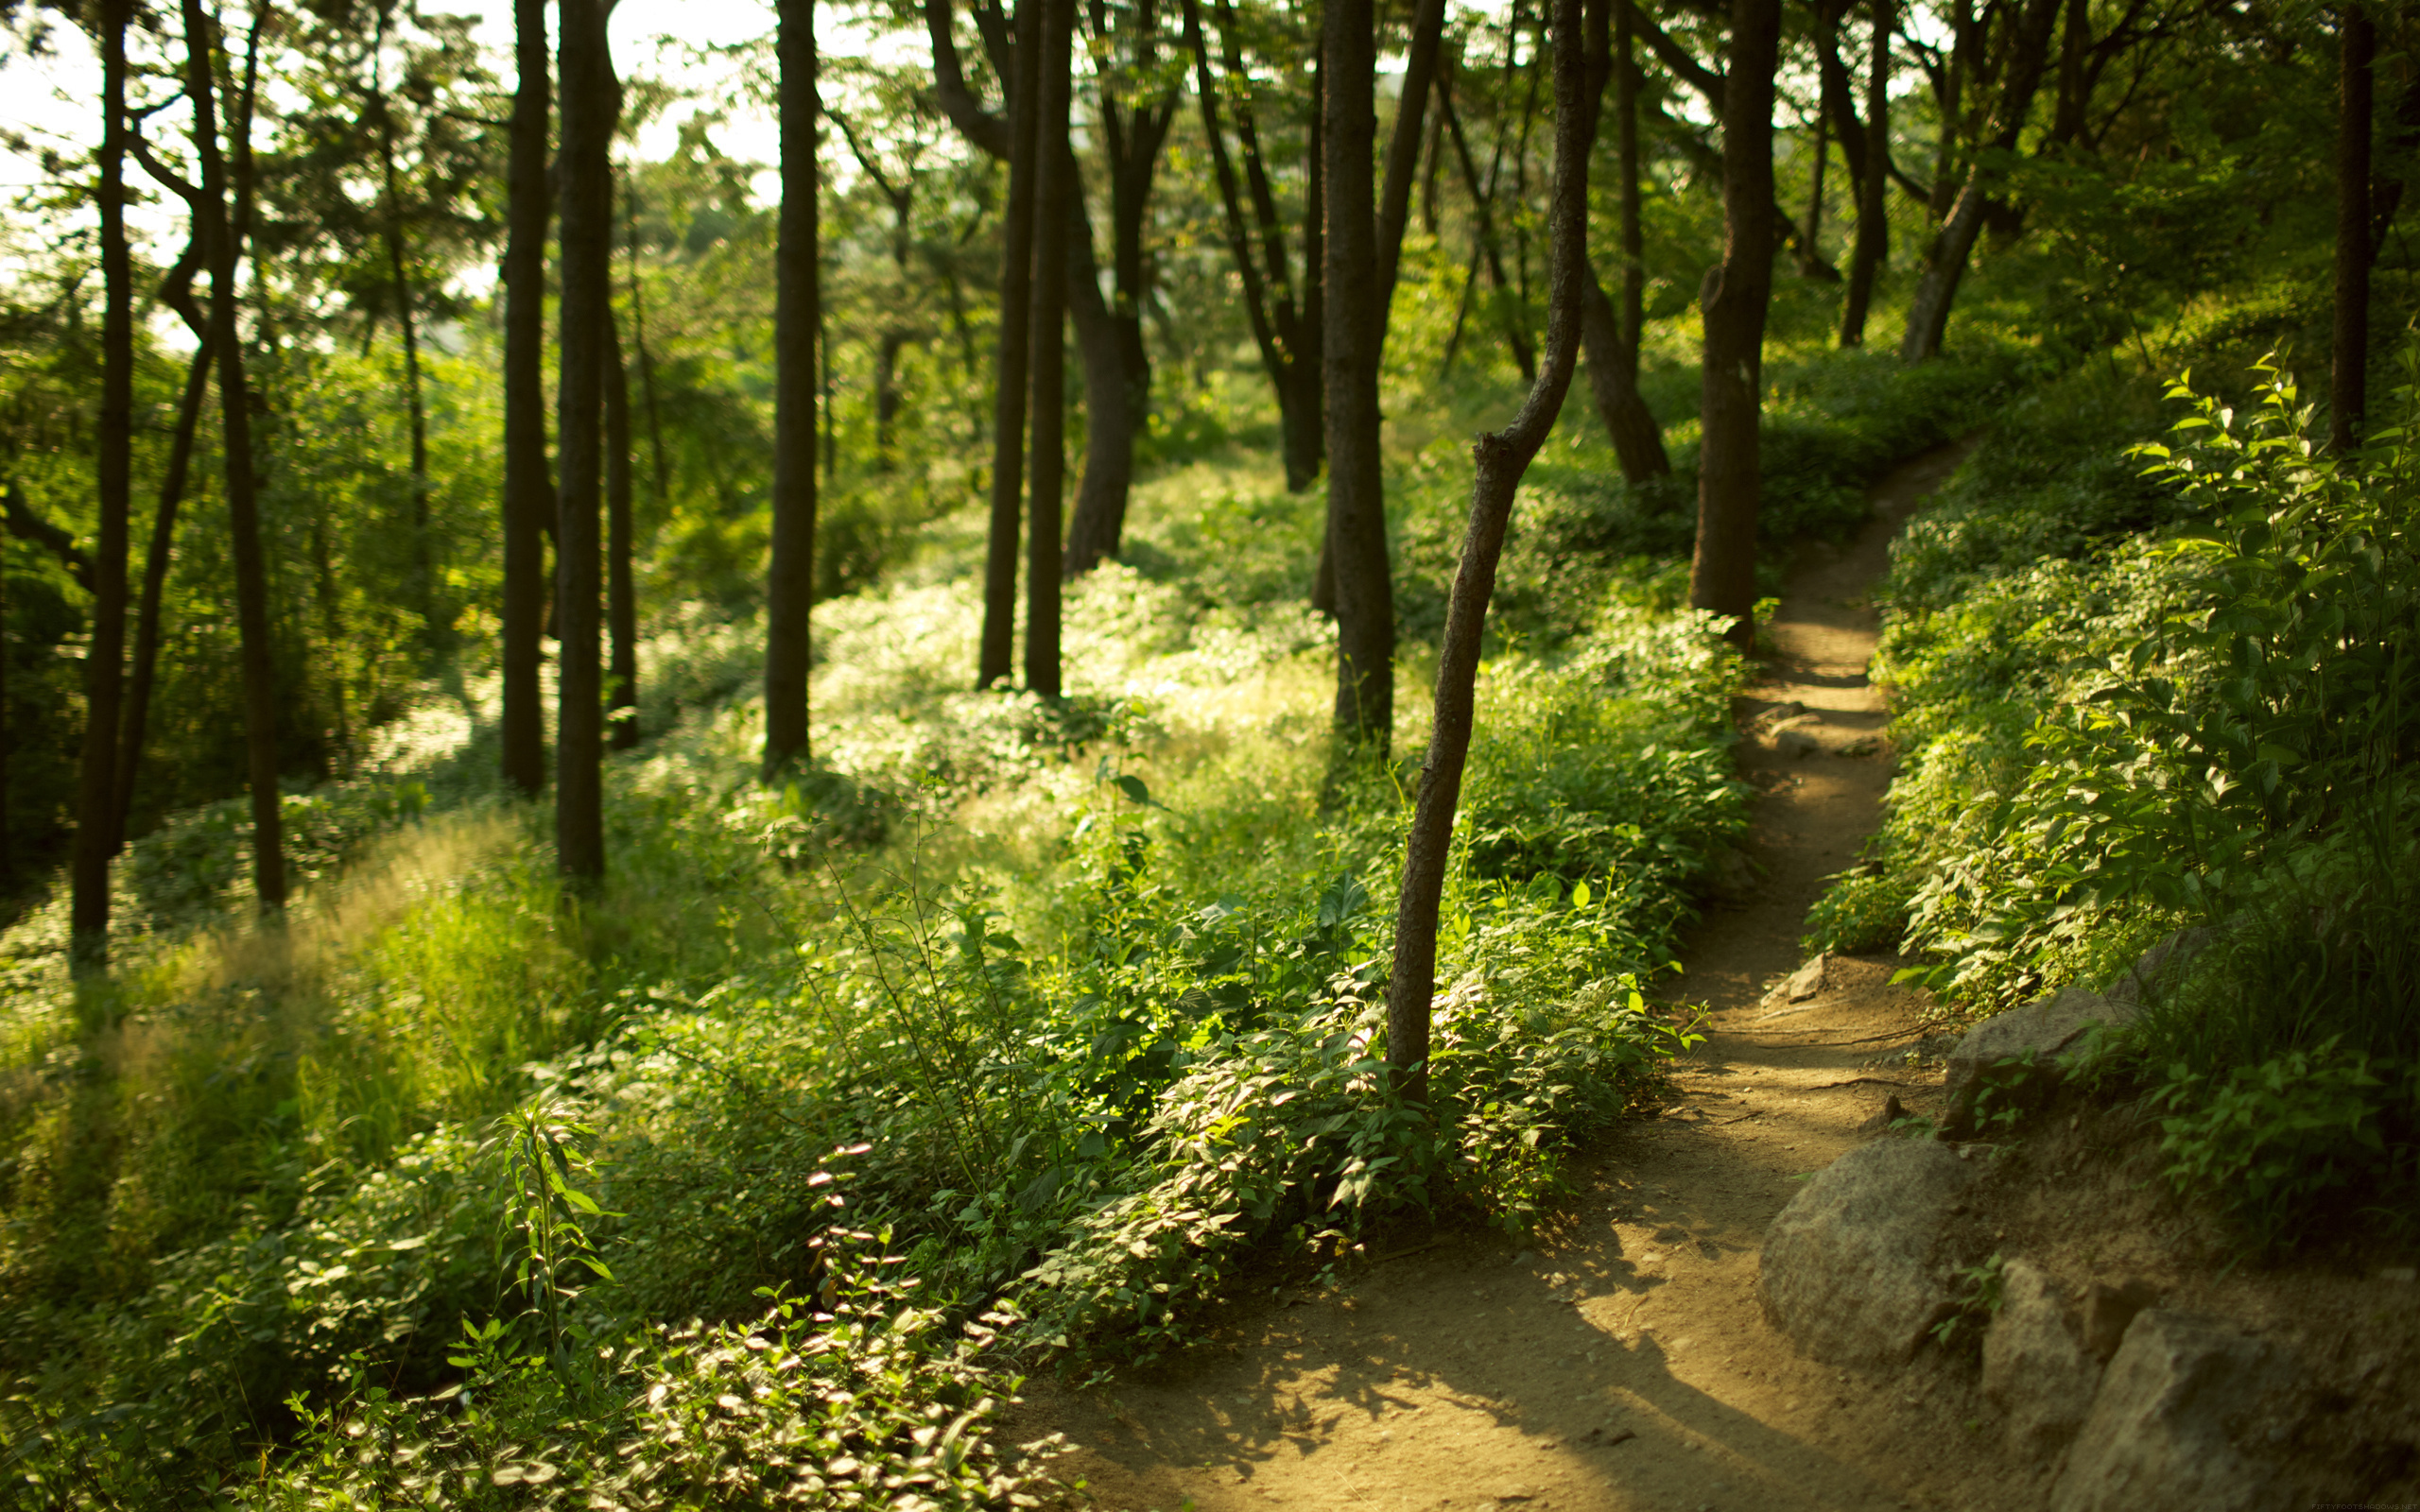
667	818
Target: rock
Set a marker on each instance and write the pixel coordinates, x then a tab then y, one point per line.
2108	1310
1802	984
1862	746
2035	1367
1893	1111
2020	1056
1796	743
2168	1424
2160	966
1847	1270
1782	712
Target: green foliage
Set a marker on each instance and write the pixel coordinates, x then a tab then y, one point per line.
2270	1140
1862	913
1977	1292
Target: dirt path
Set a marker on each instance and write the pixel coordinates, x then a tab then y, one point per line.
1621	1361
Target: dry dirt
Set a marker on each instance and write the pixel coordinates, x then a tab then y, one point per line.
1620	1360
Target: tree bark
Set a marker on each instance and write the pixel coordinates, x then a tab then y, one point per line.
789	589
1612	335
2357	37
1355	330
105	659
1054	197
1502	457
663	469
1928	312
1014	350
526	485
235	444
1873	247
621	594
407	326
155	581
1403	145
587	250
1722	575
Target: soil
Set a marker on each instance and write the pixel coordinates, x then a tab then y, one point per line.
1618	1358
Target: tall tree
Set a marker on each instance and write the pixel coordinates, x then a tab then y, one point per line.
1502	457
2348	399
1722	573
1054	192
1135	104
104	660
393	233
789	592
586	168
1285	330
527	487
1015	139
235	447
1873	247
621	592
177	293
1954	243
1357	506
1612	333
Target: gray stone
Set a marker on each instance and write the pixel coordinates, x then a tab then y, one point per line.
1803	984
1847	1271
2035	1368
2169	1427
2022	1054
1796	743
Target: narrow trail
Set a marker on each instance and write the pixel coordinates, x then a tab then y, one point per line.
1621	1360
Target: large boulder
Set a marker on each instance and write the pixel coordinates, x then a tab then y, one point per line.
2021	1056
2174	1425
2035	1367
1848	1270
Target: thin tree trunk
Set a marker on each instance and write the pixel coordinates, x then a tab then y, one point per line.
663	469
1612	335
527	486
790	586
408	325
1403	145
1814	239
1502	457
155	581
243	502
1356	331
1483	223
1950	106
1013	356
621	596
1928	312
1874	186
587	262
105	659
2349	393
1722	573
1054	193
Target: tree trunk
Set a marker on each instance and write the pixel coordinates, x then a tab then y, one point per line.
1612	335
399	273
1928	312
586	168
105	659
155	582
1722	573
1055	190
235	444
1874	186
527	486
1403	146
1502	457
1356	331
2349	393
621	596
790	588
663	470
1015	356
1117	400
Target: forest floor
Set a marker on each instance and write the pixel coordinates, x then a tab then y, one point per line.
1618	1358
